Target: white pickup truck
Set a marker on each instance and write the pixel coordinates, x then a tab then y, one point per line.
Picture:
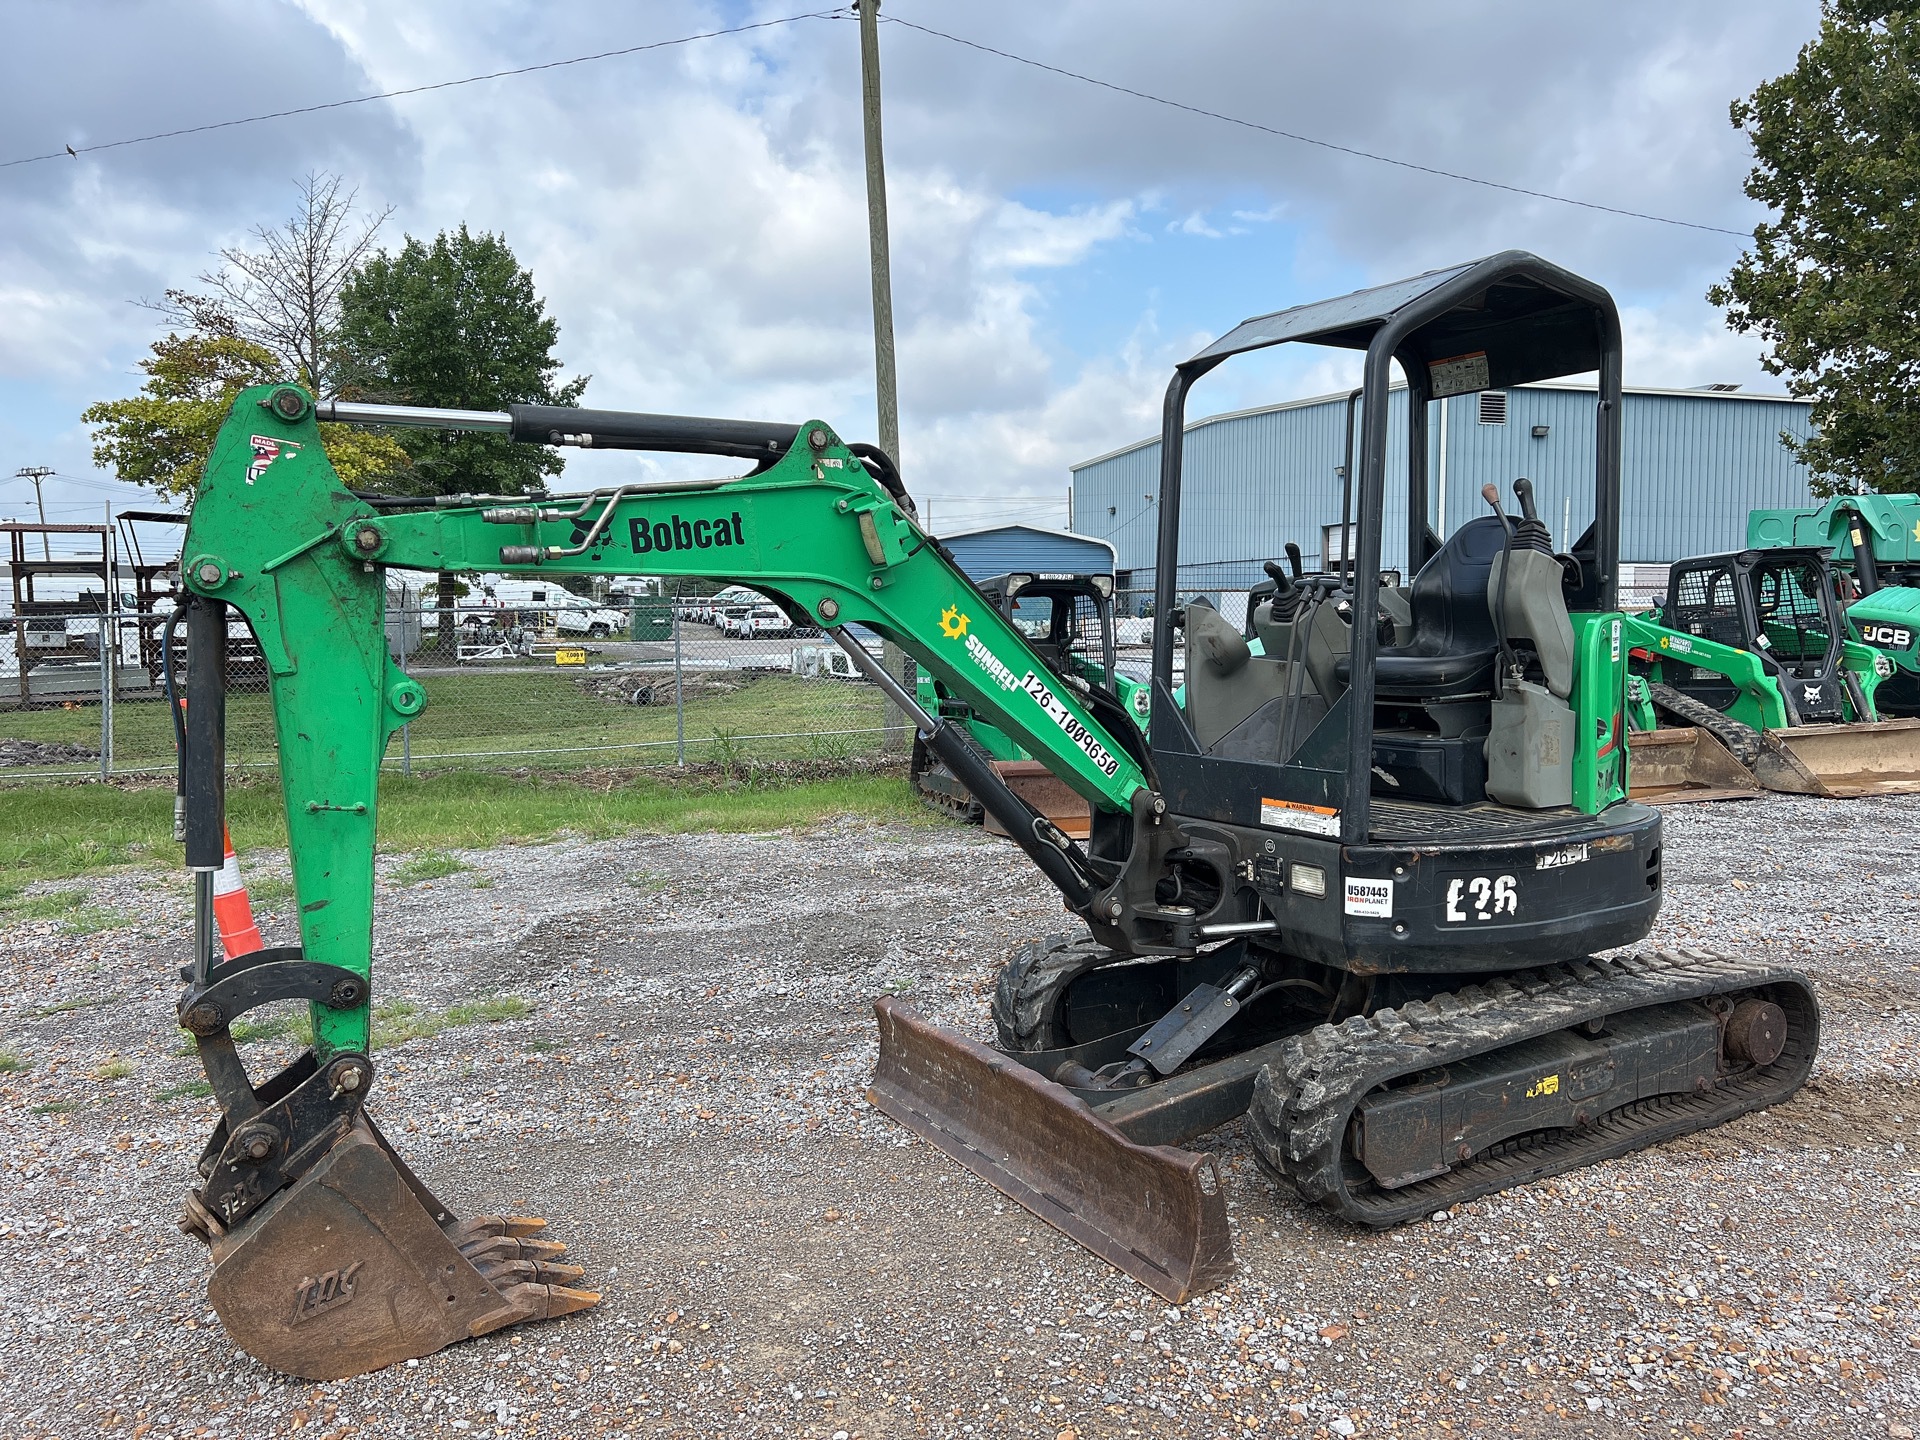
577	617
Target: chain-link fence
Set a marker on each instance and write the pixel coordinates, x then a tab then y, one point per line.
556	682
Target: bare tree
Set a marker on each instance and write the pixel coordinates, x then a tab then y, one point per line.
284	292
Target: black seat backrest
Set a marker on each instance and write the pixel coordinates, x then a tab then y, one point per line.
1449	595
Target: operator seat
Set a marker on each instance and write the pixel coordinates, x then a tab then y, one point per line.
1453	647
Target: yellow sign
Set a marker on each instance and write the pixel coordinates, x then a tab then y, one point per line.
952	623
569	657
1549	1086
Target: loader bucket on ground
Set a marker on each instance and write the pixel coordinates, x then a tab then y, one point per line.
1153	1211
1672	767
1045	792
356	1266
1842	761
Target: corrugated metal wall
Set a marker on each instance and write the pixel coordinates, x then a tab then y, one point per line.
1693	464
983	553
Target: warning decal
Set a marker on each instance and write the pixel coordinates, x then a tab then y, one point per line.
1457	375
1292	815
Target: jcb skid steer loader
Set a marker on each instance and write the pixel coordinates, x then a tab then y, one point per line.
1876	543
1751	651
1350	888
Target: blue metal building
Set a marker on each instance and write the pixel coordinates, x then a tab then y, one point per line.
1694	463
997	549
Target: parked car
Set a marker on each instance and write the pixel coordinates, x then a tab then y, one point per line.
593	621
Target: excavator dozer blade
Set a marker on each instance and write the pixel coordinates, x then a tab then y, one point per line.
1046	793
356	1266
1842	761
1672	767
1151	1210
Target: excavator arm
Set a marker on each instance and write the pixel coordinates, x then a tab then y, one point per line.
307	1209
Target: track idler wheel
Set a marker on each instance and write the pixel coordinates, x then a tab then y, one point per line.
356	1266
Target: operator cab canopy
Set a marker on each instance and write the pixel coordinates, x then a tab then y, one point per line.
1527	319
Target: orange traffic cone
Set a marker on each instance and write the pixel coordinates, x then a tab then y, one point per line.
232	911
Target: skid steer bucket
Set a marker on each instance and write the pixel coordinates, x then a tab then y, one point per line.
1842	761
356	1266
1151	1210
1046	793
1672	767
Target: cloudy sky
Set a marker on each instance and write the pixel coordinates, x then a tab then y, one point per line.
695	215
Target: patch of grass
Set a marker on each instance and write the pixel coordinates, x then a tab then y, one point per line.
401	1020
296	1028
10	1063
187	1090
113	1068
427	865
69	907
54	1107
269	892
651	881
62	832
541	1045
483	882
61	1007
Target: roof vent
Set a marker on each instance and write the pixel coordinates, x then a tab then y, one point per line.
1720	387
1493	407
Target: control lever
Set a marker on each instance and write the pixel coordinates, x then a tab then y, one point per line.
1490	492
1293	559
1523	492
1283	583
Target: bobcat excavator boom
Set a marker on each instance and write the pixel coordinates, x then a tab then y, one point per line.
1347	886
330	1256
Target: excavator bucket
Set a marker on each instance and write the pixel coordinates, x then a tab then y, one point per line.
356	1266
1842	761
1045	793
1672	767
1153	1211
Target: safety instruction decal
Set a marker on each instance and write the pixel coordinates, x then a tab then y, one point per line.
1293	815
1458	374
1373	898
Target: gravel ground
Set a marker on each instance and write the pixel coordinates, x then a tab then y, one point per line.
683	1102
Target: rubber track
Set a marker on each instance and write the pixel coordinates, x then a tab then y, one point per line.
1743	740
1302	1107
968	812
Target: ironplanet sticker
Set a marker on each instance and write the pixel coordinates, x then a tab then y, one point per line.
1096	752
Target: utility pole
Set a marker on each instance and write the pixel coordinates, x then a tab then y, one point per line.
37	473
883	374
892	657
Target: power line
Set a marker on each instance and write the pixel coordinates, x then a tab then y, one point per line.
76	152
1312	140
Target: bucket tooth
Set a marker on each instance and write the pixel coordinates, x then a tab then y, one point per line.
356	1266
1155	1212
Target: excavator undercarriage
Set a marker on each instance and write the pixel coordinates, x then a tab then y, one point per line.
1353	883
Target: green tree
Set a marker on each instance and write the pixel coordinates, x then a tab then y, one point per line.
1833	284
162	436
457	324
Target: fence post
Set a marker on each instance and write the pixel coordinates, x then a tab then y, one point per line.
406	731
679	696
106	697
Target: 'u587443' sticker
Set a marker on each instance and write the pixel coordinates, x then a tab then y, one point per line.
1076	732
1373	898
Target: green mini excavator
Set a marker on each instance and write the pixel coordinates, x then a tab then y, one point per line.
1355	887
